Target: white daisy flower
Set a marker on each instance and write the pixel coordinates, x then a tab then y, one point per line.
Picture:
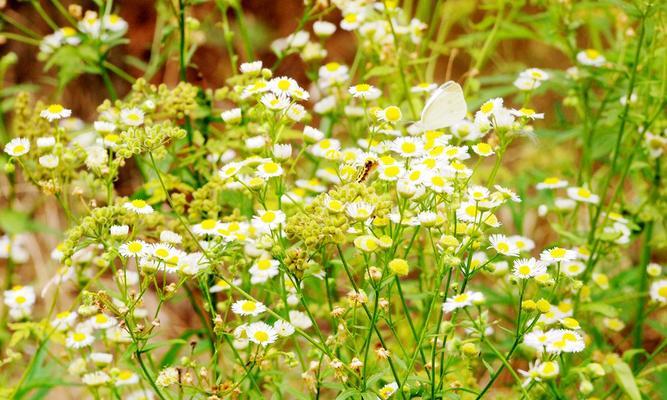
424	87
573	268
115	23
232	116
557	254
283	86
537	339
138	206
548	369
132	116
323	147
135	248
300	319
248	307
20	298
261	333
359	210
275	103
365	91
206	227
525	268
391	114
591	58
17	147
55	112
101	358
229	170
125	377
79	338
387	390
582	194
269	169
96	378
49	161
658	291
564	341
45	142
324	29
251	68
265	267
283	328
526	84
119	230
613	324
102	321
462	300
483	149
407	147
503	245
270	219
552	182
64	320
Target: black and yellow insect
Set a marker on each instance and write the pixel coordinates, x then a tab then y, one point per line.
367	169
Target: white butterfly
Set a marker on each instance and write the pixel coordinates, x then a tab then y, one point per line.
444	108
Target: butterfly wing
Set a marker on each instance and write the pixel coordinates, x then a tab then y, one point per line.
444	108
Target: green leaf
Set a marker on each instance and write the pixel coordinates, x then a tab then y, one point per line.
380	70
15	222
348	394
601	308
626	380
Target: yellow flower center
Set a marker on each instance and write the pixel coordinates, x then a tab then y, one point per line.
138	203
585	193
135	247
350	18
462	298
333	66
408	147
548	368
125	375
392	113
592	54
55	108
269	216
483	148
557	252
362	87
284	84
271	167
261	336
62	315
487	107
249	306
208	224
437	181
101	318
371	244
79	337
662	292
524	270
392	171
162	253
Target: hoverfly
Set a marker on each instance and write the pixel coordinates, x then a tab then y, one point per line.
367	169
